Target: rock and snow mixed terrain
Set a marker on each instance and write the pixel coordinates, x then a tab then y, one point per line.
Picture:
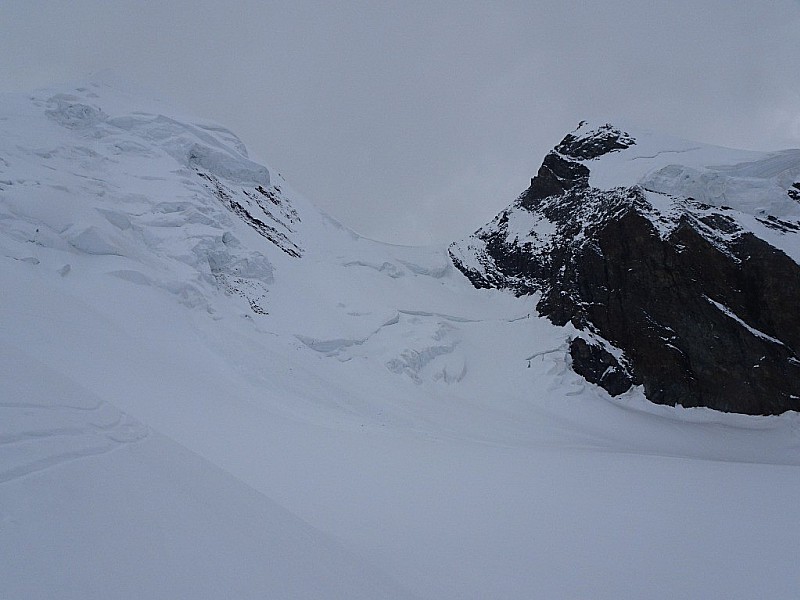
682	277
210	389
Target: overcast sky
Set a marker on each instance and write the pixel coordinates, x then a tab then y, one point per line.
415	122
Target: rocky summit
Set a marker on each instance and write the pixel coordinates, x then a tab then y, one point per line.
676	262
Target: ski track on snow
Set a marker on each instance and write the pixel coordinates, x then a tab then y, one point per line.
46	446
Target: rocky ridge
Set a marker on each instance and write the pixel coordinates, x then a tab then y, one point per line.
695	302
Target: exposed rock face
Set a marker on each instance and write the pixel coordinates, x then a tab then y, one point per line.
253	206
598	365
704	311
602	140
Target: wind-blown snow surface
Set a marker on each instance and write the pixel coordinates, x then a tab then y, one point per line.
193	405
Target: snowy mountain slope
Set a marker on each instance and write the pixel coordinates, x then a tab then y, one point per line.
349	395
698	297
97	505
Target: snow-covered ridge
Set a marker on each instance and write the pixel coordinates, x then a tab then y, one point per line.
757	183
89	172
675	179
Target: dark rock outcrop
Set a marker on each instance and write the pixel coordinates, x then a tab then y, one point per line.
603	140
255	209
556	176
794	192
597	365
704	312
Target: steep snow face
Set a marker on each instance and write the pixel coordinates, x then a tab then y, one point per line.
96	177
208	387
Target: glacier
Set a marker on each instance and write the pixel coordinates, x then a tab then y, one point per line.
209	388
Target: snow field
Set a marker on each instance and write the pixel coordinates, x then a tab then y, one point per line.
375	432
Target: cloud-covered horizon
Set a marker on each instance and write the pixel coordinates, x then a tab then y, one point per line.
416	122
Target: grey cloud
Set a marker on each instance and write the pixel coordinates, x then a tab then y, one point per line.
416	121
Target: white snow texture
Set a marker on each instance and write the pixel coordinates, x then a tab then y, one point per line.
209	389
